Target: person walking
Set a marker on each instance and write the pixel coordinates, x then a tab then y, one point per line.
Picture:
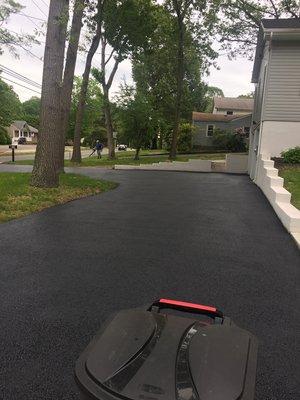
98	148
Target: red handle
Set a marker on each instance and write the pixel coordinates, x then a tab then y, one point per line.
191	307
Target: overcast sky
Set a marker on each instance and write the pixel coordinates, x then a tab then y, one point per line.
233	77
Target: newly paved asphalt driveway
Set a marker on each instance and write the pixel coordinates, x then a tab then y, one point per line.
207	238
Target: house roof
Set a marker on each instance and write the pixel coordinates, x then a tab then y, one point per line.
21	124
284	23
281	27
209	117
232	103
32	129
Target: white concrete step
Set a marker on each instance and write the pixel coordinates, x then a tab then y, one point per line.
268	163
274	181
289	215
271	171
280	194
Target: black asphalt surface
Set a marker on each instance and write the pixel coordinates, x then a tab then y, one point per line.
209	238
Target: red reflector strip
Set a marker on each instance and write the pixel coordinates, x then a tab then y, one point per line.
188	305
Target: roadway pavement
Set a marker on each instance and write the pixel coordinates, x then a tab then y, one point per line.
209	238
22	153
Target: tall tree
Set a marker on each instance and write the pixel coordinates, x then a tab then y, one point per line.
96	27
126	26
199	15
31	111
155	70
93	125
10	109
136	118
45	173
240	20
68	78
8	39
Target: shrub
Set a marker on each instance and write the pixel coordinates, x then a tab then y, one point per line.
229	141
4	136
291	156
185	137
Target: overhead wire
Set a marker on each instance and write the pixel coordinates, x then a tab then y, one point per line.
19	76
37	6
16	83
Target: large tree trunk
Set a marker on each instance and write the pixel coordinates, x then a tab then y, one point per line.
69	77
44	170
137	153
106	85
180	77
108	123
76	156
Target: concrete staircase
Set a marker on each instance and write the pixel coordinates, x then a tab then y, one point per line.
272	186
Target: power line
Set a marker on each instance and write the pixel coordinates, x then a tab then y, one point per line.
39	7
20	77
20	85
30	16
31	20
47	5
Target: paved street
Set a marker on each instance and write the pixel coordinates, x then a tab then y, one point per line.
21	153
209	238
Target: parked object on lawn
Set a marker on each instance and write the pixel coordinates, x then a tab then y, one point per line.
22	140
122	147
171	350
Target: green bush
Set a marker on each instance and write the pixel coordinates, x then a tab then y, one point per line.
185	137
229	141
291	156
4	136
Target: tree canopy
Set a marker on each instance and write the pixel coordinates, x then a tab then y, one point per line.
8	39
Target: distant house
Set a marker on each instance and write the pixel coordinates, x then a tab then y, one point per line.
229	114
20	129
232	106
276	74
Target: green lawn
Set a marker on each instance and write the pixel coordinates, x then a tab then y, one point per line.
291	176
18	198
128	158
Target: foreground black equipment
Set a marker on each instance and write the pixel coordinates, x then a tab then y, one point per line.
170	351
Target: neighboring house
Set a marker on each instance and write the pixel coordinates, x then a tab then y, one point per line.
207	123
19	129
232	106
276	74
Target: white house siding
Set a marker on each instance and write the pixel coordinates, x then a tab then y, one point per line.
282	96
277	136
234	112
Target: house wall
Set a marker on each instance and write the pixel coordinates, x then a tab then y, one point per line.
235	112
201	139
277	136
282	95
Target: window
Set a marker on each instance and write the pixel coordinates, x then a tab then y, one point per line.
16	133
229	112
25	134
210	130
